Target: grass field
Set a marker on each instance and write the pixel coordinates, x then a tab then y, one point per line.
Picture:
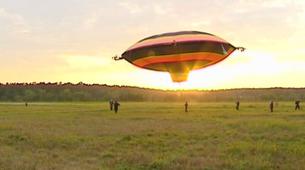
151	136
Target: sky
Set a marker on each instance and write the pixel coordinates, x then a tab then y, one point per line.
74	41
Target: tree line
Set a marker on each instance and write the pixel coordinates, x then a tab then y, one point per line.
54	92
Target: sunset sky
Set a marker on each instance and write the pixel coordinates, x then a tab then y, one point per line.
74	40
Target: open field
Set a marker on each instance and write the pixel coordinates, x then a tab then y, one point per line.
151	136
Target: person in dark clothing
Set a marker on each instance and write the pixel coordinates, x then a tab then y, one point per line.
26	104
186	106
237	105
297	105
111	104
116	106
271	106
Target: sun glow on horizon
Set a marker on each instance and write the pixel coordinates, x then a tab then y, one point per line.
54	44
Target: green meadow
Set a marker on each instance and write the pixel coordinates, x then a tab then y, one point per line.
149	135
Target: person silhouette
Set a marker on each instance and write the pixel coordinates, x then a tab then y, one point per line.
297	105
186	107
271	106
237	105
116	106
111	104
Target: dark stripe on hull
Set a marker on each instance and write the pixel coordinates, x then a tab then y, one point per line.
179	48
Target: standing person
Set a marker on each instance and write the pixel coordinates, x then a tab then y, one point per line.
271	106
237	105
116	106
111	104
297	105
186	106
26	104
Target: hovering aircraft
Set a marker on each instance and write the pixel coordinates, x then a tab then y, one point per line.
178	52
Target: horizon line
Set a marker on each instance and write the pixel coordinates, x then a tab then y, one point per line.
142	87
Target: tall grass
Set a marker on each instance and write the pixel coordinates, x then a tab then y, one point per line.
151	136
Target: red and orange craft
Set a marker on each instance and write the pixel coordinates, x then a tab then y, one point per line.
178	52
